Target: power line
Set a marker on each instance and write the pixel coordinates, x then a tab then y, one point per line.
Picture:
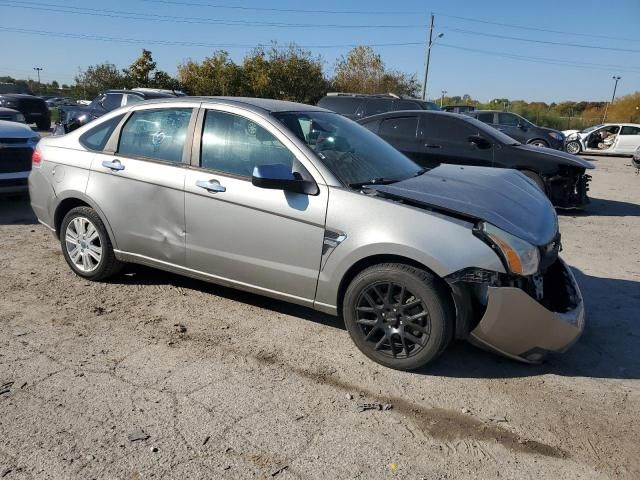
192	44
544	60
283	10
537	29
49	7
546	42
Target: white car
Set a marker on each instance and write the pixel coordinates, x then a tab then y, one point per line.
17	142
607	138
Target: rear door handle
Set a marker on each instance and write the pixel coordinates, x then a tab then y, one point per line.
211	186
429	145
114	165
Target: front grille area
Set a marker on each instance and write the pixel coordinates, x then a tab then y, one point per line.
15	159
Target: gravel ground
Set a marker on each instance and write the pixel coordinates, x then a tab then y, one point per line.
156	376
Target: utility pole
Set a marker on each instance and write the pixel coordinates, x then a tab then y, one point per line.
616	79
429	45
39	69
442	97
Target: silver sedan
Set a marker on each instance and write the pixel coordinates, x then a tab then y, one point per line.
300	204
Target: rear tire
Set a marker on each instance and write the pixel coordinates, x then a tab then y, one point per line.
86	245
398	315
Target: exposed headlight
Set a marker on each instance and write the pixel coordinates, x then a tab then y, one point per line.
6	102
520	256
35	139
20	118
556	135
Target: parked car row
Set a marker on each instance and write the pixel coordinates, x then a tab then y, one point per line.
301	204
72	117
34	109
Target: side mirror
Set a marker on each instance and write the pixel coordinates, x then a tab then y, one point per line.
279	177
522	126
480	142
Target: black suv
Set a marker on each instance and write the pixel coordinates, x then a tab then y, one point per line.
20	98
520	128
356	105
75	116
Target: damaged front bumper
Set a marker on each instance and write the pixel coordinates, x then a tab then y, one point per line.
569	189
519	326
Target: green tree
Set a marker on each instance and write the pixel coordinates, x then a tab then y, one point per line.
289	73
216	75
139	71
96	78
363	71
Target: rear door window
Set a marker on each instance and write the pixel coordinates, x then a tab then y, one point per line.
406	105
131	99
377	105
399	128
485	117
112	101
341	105
156	134
509	119
630	130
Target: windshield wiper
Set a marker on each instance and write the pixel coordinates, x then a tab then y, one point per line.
374	181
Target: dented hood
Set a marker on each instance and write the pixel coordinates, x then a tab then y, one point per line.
502	197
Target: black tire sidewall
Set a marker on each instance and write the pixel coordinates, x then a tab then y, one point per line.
419	283
107	250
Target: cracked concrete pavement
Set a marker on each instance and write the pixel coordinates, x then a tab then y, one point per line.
227	384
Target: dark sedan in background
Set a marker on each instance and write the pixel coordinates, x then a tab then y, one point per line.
520	128
432	138
359	105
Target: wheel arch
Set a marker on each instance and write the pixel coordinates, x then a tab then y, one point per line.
537	139
366	262
78	199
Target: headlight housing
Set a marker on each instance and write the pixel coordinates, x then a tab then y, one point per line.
519	256
556	135
35	139
21	118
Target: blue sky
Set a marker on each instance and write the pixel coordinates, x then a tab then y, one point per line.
460	64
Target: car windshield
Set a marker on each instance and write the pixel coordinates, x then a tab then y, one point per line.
354	154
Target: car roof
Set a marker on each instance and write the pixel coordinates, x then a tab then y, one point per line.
400	113
250	103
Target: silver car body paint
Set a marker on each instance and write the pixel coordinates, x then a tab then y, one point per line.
284	245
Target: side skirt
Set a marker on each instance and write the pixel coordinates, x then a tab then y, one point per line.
207	277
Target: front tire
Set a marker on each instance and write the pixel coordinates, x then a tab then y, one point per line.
86	245
573	147
398	315
538	142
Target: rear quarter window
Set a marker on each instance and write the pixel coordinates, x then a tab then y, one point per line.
97	137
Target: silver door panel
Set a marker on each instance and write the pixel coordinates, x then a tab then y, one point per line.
267	239
144	203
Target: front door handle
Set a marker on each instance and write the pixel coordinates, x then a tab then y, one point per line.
114	165
430	145
211	186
